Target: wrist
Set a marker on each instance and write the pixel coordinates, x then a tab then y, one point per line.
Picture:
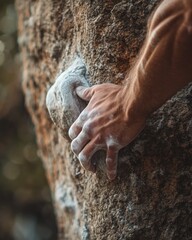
134	107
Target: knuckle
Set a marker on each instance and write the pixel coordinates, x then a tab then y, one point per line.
83	116
97	121
87	128
99	139
93	113
112	144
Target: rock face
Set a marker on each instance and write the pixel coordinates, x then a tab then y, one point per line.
152	196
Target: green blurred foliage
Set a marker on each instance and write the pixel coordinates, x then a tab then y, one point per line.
26	210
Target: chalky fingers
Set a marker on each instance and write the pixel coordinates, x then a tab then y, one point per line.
86	155
79	142
76	127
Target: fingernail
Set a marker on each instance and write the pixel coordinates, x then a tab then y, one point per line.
80	88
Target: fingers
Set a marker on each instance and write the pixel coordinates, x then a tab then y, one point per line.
111	162
79	142
84	92
84	149
74	130
86	155
76	127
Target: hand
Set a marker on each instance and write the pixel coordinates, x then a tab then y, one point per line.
106	123
115	115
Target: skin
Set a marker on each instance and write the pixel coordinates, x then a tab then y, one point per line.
115	115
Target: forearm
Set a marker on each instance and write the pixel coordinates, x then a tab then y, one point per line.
165	63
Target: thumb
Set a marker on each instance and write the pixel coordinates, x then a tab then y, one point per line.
84	92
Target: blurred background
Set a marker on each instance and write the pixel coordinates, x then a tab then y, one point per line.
26	211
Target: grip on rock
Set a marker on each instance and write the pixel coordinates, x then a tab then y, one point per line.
64	105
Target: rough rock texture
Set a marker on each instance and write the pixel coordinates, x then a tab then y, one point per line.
152	196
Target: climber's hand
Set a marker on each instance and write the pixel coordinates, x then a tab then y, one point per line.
108	123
